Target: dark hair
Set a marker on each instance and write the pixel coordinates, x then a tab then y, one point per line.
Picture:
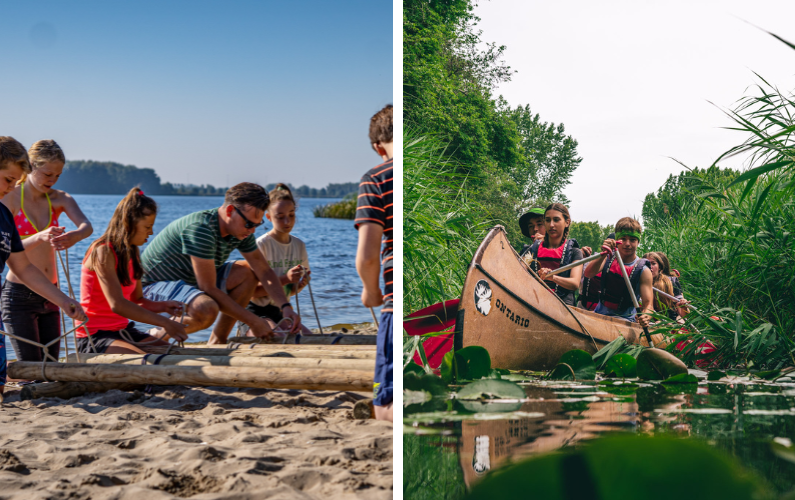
381	126
247	193
281	192
134	207
11	151
565	211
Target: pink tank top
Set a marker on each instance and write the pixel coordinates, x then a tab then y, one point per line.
94	302
24	225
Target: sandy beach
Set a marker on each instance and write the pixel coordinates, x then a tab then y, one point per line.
193	442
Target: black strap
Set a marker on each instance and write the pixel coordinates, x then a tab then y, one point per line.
336	339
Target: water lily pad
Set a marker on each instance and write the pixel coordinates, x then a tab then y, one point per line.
784	448
715	375
490	389
656	364
621	365
625	467
413	368
682	378
447	368
575	364
473	362
488	406
431	384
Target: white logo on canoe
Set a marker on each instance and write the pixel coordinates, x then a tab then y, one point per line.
481	462
483	297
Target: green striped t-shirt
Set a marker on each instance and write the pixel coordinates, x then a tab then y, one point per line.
167	257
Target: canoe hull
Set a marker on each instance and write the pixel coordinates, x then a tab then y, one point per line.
520	322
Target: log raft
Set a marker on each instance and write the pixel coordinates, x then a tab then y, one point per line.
205	376
256	362
330	339
257	351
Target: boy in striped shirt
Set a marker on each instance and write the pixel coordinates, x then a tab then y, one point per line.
374	222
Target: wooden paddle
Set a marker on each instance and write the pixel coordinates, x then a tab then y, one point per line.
574	264
631	293
671	297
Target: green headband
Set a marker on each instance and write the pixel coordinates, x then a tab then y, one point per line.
631	234
537	210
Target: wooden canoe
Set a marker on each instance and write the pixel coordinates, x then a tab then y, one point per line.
505	309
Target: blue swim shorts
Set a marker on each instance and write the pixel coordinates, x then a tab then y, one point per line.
383	362
180	291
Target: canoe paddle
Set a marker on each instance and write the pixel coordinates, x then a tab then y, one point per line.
575	264
631	293
671	297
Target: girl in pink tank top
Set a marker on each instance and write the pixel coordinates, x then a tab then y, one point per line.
110	285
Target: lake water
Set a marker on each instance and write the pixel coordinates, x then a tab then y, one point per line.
448	449
330	243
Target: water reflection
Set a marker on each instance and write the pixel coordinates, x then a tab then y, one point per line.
740	418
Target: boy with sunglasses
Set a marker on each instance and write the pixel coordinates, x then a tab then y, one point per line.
187	262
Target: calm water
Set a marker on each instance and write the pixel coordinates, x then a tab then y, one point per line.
330	243
447	450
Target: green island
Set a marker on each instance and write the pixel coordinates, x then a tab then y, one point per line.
715	419
106	177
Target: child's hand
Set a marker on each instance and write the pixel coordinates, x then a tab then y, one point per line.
543	274
586	252
294	274
609	245
372	299
644	320
64	240
173	308
176	331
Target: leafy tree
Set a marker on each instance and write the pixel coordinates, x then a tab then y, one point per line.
589	234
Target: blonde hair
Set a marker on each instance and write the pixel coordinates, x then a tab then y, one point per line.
280	193
43	151
661	282
11	151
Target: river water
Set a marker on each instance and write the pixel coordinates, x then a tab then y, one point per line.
447	449
330	243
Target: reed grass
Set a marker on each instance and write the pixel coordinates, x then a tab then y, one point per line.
734	241
345	209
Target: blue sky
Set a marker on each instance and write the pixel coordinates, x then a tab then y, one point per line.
203	92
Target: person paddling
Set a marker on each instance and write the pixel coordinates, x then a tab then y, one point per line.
36	206
110	284
660	269
13	164
614	297
556	250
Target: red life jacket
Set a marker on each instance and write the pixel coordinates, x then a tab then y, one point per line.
591	289
553	258
614	294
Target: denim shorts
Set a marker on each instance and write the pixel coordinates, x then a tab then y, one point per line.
180	291
384	365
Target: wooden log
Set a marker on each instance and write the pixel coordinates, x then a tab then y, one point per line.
331	339
69	390
257	362
236	342
206	376
364	410
245	351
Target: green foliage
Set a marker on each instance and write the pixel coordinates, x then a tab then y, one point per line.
431	468
574	365
507	158
621	365
589	234
626	467
345	209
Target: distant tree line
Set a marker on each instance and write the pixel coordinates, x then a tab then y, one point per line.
107	177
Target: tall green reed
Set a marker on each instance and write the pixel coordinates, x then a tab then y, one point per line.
734	241
442	225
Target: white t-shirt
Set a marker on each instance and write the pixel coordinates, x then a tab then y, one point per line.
281	257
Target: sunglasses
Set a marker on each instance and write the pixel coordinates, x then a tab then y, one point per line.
249	224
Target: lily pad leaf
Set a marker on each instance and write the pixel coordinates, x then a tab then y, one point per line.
715	375
424	382
682	378
656	364
784	448
447	368
768	375
579	362
413	368
562	371
621	365
491	389
473	362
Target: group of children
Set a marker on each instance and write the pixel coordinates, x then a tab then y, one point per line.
183	280
600	283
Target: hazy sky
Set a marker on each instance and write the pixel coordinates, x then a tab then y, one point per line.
203	92
631	82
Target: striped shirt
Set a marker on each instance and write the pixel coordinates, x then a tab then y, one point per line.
375	207
167	257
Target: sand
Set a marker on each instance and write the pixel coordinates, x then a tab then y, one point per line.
185	442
